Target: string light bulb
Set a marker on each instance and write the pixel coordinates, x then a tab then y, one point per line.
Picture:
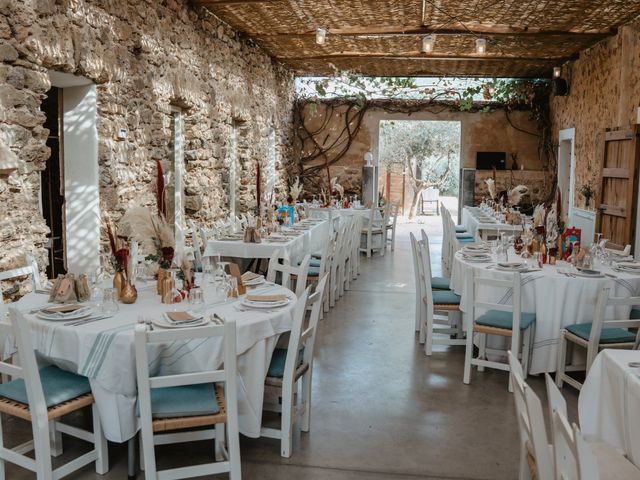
557	72
321	35
428	42
481	46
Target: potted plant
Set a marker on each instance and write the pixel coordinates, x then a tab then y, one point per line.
587	192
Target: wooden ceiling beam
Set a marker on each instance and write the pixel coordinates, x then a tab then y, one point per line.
215	3
477	29
456	58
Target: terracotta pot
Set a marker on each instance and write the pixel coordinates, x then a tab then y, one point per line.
129	293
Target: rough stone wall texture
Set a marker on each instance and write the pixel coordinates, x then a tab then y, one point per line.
604	92
144	57
539	183
480	131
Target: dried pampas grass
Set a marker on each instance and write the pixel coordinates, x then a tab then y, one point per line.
491	186
151	231
296	190
516	193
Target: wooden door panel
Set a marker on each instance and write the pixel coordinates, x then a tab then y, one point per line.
618	188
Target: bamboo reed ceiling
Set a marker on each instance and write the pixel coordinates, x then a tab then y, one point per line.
525	38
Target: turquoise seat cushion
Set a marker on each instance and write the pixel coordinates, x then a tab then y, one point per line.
314	272
635	313
462	236
58	386
446	297
608	335
184	401
467	240
278	360
499	319
440	283
460	229
312	263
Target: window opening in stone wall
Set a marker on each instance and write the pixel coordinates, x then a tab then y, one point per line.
52	184
233	165
272	158
419	163
174	184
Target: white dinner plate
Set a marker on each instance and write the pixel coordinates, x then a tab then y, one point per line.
250	304
587	275
57	317
164	322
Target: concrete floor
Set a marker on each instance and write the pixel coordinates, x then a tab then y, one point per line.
382	410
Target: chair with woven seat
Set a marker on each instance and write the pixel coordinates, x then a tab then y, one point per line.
505	320
597	335
440	310
535	451
374	228
174	408
43	397
293	367
283	273
390	226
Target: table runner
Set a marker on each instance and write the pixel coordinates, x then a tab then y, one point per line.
103	351
557	301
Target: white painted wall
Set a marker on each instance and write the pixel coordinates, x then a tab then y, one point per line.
82	196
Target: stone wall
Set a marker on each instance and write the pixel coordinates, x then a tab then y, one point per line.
480	131
144	57
604	92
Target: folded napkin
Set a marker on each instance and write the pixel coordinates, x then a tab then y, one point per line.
248	276
267	298
181	317
63	308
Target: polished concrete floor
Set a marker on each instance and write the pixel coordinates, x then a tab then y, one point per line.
382	409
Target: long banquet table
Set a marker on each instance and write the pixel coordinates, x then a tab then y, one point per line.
556	299
103	351
312	237
477	223
609	403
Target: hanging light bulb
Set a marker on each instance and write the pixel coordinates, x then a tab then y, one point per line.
557	72
321	35
428	42
481	46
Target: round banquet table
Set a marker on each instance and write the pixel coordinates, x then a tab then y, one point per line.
556	299
103	351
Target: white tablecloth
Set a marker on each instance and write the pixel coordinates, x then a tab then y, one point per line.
103	351
556	299
609	404
472	222
310	241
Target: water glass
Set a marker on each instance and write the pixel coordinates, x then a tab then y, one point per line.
109	302
537	259
196	299
232	287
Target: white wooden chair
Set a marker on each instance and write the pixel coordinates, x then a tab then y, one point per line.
33	396
390	227
374	228
596	336
506	320
292	367
188	401
345	268
282	272
440	315
536	457
355	247
337	264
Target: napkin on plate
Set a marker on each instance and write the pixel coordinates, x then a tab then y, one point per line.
181	317
267	298
249	276
70	308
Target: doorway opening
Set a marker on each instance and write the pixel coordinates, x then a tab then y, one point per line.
52	182
419	162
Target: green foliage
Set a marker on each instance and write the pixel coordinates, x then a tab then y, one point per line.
428	150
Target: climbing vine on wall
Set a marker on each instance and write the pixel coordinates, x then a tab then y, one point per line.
350	96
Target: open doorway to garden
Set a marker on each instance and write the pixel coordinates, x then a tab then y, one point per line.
419	163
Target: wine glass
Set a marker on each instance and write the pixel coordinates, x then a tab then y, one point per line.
196	299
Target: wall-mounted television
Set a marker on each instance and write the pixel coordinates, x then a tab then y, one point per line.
490	160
